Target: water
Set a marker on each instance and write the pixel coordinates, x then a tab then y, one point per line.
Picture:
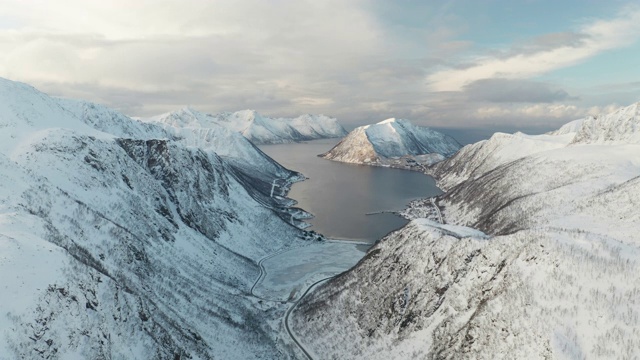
340	195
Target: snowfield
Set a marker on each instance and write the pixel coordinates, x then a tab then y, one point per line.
255	127
555	276
123	239
393	143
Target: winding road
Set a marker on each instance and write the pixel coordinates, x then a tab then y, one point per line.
433	202
286	316
263	273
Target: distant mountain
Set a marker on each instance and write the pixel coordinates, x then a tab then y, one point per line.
618	127
123	239
393	142
539	257
255	127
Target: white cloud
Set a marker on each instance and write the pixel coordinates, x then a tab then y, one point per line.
287	57
227	54
313	101
548	111
597	37
600	110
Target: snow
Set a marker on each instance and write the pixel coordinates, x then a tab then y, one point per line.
298	268
27	262
452	230
128	239
393	142
24	110
499	150
621	126
255	127
125	239
555	276
568	128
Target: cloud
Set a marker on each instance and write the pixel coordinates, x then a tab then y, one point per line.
546	53
560	111
287	57
225	54
513	90
555	40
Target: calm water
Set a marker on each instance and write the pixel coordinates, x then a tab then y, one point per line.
340	195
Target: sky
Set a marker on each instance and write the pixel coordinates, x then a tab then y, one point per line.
465	64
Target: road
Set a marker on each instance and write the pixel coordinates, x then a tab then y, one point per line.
263	273
286	316
433	202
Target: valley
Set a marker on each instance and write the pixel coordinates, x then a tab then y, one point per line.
140	240
167	241
310	180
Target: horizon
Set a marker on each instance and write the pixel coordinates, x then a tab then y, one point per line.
458	65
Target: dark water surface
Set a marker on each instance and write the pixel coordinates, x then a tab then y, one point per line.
340	195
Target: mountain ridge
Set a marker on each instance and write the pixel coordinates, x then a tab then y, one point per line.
123	239
255	127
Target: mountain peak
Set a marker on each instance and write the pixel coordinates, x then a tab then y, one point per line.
256	127
387	121
249	113
376	144
620	126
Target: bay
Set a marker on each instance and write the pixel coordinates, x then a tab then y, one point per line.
341	195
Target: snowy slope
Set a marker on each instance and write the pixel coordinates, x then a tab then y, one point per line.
556	277
20	119
620	126
255	127
384	143
500	149
119	240
112	122
195	129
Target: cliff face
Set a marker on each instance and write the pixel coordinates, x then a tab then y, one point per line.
121	239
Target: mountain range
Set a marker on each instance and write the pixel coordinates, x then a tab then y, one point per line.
135	239
255	127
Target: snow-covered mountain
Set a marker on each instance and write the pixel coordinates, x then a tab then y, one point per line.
618	127
122	239
393	142
539	257
255	127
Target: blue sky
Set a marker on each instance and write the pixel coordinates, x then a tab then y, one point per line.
496	65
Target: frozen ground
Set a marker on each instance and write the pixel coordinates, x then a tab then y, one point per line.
289	273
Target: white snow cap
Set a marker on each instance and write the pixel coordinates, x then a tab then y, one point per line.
256	127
